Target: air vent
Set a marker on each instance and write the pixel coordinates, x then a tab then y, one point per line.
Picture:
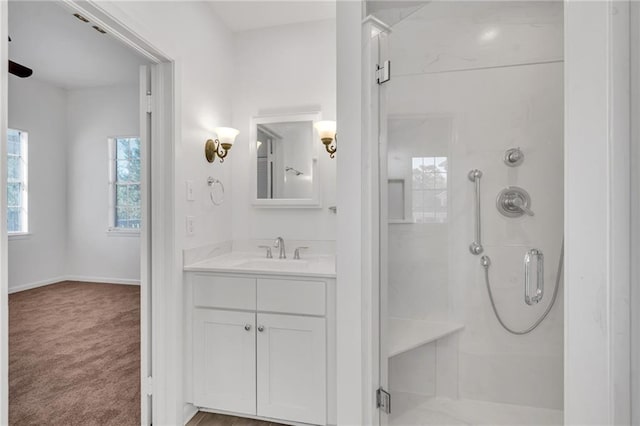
80	17
98	29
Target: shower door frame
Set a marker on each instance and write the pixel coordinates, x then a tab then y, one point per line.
597	275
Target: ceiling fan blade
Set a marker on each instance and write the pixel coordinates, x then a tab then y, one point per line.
19	70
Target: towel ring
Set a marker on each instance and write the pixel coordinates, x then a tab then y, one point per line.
215	199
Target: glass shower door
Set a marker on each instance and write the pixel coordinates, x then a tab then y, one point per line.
469	81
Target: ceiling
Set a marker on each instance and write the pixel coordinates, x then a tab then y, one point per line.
65	51
240	15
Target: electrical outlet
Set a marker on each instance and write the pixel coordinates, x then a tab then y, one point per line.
191	225
190	195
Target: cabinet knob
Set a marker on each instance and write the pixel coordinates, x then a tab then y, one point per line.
247	327
261	328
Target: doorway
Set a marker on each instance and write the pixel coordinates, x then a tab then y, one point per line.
124	151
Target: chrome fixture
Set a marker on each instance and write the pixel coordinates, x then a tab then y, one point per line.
513	157
221	145
269	255
280	244
296	253
514	201
476	246
528	298
327	132
486	263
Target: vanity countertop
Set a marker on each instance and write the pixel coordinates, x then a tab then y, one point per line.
252	263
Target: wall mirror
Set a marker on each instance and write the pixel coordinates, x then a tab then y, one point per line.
284	161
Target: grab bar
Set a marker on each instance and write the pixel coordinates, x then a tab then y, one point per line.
537	297
476	246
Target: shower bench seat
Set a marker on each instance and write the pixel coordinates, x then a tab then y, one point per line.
408	334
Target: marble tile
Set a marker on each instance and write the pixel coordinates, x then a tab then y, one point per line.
414	371
411	409
467	35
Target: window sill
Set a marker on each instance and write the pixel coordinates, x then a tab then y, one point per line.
114	232
19	235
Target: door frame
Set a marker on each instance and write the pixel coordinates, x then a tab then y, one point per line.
157	242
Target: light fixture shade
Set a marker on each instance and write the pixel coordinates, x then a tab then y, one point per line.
326	129
226	135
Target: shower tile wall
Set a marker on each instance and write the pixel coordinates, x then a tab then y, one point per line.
485	77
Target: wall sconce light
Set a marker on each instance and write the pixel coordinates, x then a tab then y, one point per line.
221	145
327	132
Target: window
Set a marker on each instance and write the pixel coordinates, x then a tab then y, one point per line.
17	219
124	183
429	189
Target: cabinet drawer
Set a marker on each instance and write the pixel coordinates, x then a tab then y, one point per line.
291	296
210	291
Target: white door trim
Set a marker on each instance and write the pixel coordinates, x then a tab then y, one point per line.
597	213
166	355
635	213
4	277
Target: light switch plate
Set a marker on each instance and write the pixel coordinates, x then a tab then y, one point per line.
191	225
190	195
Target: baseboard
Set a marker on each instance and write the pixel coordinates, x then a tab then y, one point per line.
188	411
106	280
50	281
36	284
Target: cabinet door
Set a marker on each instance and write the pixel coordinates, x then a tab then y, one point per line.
292	368
224	373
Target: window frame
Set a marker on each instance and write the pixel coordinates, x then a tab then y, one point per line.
435	190
24	184
112	229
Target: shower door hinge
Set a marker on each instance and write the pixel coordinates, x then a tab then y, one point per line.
383	400
383	72
148	386
149	102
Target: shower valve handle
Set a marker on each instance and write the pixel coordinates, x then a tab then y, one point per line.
519	203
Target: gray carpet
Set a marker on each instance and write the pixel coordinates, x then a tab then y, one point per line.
74	355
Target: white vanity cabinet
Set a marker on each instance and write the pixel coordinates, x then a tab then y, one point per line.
292	368
263	346
224	358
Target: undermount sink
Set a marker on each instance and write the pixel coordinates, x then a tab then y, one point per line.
274	264
254	263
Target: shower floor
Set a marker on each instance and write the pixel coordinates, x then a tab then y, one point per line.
411	409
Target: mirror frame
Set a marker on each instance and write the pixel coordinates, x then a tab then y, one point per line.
314	201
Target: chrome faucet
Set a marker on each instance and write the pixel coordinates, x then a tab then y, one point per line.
280	244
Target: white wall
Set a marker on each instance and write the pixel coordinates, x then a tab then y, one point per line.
68	176
201	47
282	70
40	109
94	115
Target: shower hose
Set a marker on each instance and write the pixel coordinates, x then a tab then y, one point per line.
486	263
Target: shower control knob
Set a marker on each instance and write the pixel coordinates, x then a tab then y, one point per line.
513	202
